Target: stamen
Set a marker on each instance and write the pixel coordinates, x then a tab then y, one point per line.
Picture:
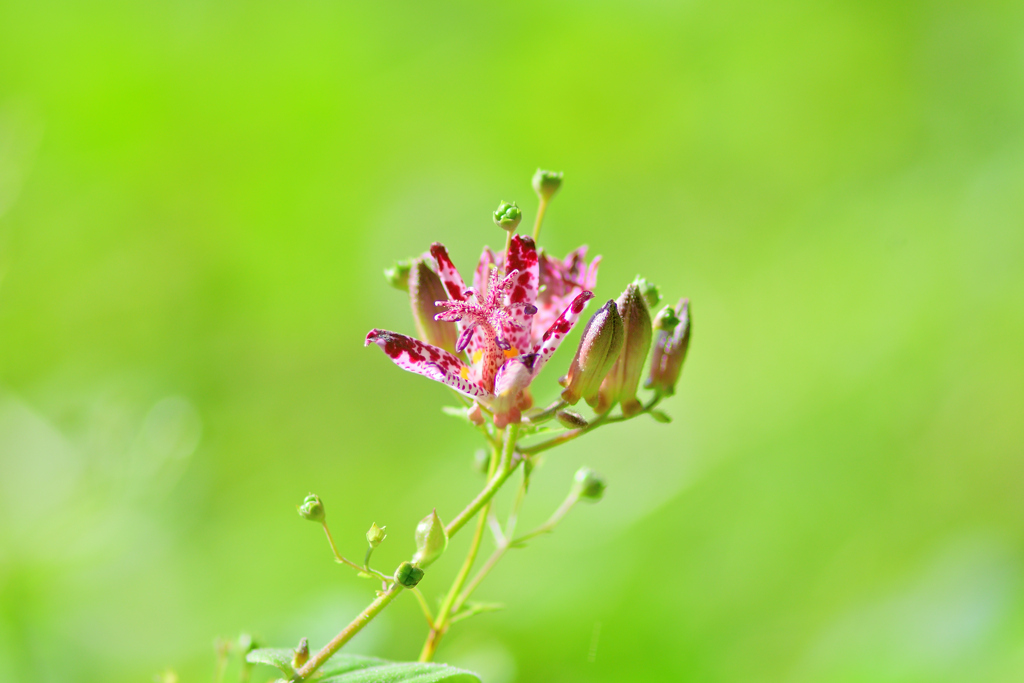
464	338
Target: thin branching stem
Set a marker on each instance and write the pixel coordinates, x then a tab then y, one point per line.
502	548
602	419
445	612
385	597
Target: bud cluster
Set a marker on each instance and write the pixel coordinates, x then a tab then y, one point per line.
507	216
613	351
312	509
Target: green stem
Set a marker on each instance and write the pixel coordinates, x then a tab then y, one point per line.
424	606
553	520
443	616
602	419
564	437
500	551
504	472
513	515
341	559
546	414
382	601
540	218
348	633
508	247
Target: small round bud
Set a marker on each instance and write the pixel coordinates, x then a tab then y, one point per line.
649	291
375	536
570	419
408	574
666	320
431	540
398	275
507	216
301	655
312	509
546	183
588	484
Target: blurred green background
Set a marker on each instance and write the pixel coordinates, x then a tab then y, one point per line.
196	203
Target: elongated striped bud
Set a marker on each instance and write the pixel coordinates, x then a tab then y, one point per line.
598	349
670	344
622	382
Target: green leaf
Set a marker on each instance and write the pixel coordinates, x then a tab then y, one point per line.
359	669
659	416
281	657
356	669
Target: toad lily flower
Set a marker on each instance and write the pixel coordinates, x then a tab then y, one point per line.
500	348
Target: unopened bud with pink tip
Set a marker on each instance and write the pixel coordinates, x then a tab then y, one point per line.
598	349
672	339
624	379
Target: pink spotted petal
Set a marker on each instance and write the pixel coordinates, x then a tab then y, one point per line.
560	329
522	256
517	328
450	277
423	359
513	377
483	271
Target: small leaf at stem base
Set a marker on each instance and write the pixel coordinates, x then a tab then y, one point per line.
659	416
345	668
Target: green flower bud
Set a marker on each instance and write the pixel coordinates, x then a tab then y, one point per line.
670	345
312	509
622	382
507	216
546	183
431	540
666	320
598	349
398	275
650	291
570	419
424	289
408	574
375	536
301	655
588	484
